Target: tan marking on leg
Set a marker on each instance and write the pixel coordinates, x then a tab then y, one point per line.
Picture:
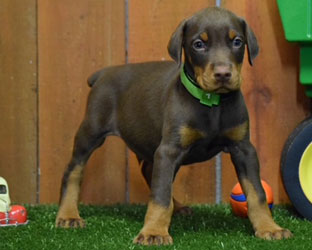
260	216
190	135
68	214
237	133
156	225
204	36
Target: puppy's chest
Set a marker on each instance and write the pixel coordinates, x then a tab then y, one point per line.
202	144
213	133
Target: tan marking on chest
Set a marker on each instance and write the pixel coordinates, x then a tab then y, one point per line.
190	135
237	133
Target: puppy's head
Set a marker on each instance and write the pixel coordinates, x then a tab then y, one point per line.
214	42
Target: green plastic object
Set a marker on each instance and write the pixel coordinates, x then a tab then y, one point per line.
297	19
306	68
297	22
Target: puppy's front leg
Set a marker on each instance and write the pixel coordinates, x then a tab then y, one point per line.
246	163
160	207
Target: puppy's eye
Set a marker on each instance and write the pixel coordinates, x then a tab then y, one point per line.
237	43
199	45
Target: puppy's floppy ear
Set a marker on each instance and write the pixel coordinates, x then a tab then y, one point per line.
176	43
252	44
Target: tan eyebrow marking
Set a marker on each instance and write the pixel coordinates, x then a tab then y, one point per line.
204	36
232	34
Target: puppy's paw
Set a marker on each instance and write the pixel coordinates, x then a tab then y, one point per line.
149	240
185	211
181	209
277	234
70	223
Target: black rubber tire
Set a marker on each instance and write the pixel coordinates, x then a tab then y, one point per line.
293	150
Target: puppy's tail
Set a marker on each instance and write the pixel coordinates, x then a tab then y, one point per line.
93	78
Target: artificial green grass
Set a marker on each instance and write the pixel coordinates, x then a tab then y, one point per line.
114	227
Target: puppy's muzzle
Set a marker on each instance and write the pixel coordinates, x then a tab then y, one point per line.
222	73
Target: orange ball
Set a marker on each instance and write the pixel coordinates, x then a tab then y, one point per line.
238	199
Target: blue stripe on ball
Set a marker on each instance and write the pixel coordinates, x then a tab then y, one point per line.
240	197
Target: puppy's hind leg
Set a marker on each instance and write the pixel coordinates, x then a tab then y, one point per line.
88	138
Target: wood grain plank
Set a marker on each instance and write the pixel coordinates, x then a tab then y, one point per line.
275	99
149	34
77	38
18	98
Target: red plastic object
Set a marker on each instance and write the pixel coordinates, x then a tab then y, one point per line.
16	216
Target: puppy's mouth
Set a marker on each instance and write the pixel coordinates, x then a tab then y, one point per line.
218	87
222	90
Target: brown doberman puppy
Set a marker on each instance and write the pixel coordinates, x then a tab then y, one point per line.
172	114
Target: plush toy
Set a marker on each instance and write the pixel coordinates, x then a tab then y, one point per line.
10	215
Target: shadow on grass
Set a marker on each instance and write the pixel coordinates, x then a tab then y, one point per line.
213	220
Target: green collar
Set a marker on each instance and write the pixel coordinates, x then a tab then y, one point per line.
206	98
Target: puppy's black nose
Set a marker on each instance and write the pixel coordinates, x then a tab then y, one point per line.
222	73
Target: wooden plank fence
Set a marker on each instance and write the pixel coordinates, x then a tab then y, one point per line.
49	48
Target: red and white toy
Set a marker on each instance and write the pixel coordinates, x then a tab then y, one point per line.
10	215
